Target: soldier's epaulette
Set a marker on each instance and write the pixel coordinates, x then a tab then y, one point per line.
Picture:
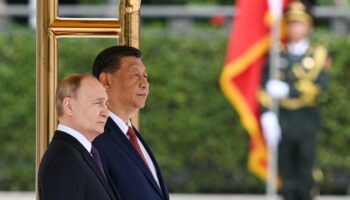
320	54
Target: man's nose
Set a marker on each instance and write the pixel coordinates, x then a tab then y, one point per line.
144	82
105	112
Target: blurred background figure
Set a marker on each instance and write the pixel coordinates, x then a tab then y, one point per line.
302	76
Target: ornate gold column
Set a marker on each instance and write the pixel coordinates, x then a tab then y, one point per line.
46	71
129	15
50	27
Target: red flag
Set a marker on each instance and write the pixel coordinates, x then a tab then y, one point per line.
240	79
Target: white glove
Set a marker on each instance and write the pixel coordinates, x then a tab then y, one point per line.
271	128
277	89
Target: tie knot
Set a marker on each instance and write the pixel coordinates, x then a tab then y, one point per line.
131	132
94	151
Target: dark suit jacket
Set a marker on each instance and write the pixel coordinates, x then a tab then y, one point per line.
128	171
67	171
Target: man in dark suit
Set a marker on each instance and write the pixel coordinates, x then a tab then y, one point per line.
67	170
124	153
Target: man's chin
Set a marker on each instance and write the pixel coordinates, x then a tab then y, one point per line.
100	131
141	105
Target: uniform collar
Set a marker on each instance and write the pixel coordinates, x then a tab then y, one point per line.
299	48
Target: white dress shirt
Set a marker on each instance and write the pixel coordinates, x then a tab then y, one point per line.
299	48
77	135
124	127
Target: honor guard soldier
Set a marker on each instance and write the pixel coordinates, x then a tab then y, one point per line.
302	76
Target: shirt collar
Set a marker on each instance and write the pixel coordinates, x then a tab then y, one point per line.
121	124
299	48
77	135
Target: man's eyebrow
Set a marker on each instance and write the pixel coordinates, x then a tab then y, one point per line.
135	66
100	99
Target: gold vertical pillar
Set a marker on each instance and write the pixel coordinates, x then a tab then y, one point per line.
46	58
50	27
129	15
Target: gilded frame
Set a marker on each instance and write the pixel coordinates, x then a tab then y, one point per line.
50	27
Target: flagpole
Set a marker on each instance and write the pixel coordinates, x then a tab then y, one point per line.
274	63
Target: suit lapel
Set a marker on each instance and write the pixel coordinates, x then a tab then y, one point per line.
119	137
98	173
87	157
159	174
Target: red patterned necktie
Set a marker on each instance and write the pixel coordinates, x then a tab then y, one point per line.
134	142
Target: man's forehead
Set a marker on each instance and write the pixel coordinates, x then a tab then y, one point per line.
94	94
88	82
133	65
136	67
91	85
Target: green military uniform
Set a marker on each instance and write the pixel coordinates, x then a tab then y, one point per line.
298	117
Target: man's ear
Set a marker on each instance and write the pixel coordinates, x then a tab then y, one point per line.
68	106
104	80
